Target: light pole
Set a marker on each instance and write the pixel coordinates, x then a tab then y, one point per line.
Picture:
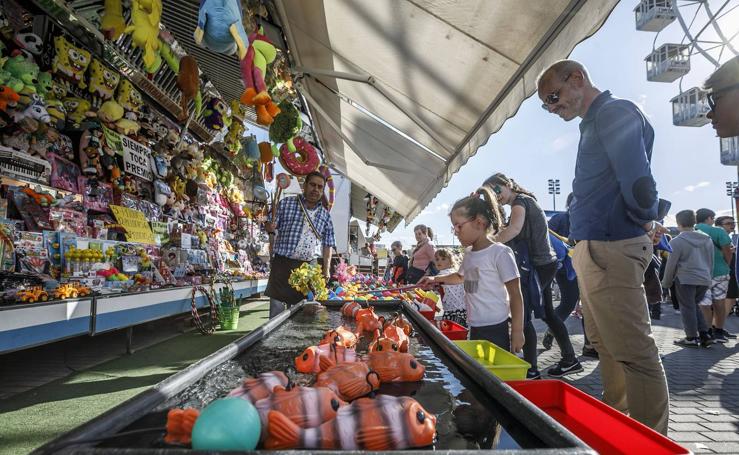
731	188
554	191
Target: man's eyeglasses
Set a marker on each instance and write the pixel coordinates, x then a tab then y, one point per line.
711	97
553	98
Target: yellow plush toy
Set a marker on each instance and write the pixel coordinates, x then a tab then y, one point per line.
129	97
112	23
103	81
144	30
70	61
77	110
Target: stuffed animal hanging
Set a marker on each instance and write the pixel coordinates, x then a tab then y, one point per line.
254	67
144	30
188	81
70	62
112	24
220	28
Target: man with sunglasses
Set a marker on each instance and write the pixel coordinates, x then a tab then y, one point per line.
612	220
723	99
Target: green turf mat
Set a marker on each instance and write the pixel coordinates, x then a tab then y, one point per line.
33	418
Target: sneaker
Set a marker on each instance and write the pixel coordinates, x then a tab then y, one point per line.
533	374
547	341
687	342
718	336
727	334
561	369
588	351
705	340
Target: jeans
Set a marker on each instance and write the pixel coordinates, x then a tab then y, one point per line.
569	293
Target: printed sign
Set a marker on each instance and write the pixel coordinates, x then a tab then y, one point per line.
136	224
113	140
161	232
136	159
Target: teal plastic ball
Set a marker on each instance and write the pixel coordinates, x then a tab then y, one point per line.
227	424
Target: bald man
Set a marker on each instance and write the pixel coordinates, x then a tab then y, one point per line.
612	217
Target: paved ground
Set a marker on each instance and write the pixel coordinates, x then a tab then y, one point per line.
704	384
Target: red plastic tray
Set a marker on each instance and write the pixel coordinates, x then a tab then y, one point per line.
453	330
600	426
428	315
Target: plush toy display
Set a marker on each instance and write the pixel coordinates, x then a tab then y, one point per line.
301	162
29	43
103	81
188	81
112	24
20	74
70	62
44	84
36	111
8	98
214	113
286	126
220	28
78	110
110	112
254	67
144	30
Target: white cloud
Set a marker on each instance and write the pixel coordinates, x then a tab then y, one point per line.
691	188
564	141
641	101
435	210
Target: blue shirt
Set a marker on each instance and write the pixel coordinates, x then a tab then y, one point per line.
560	223
614	192
290	219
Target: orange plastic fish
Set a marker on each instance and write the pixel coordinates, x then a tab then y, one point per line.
400	321
349	309
305	406
179	425
349	380
396	334
381	423
381	343
254	389
340	335
322	357
396	366
367	320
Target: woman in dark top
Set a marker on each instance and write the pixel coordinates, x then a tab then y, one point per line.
527	234
400	263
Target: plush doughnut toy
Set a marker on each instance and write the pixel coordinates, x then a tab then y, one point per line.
323	169
301	162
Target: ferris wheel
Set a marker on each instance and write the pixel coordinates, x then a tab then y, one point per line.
710	30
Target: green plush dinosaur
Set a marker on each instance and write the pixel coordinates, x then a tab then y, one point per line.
44	84
19	74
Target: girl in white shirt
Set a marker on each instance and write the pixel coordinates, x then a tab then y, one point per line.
453	300
489	273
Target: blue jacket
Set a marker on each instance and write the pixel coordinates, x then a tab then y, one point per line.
563	256
614	192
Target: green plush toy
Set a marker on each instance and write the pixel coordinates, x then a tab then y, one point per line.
44	83
286	126
19	74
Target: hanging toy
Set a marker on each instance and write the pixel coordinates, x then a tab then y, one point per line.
286	126
303	160
112	24
214	113
253	69
220	28
188	81
70	62
326	172
144	30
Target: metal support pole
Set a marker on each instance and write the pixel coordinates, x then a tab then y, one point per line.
554	202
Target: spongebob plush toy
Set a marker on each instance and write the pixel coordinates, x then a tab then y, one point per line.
129	97
70	61
77	110
103	81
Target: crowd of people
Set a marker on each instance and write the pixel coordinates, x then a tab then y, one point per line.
604	251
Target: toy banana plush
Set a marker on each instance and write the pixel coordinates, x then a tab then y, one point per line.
220	28
144	30
70	61
113	24
103	81
188	81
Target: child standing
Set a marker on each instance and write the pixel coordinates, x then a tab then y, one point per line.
689	266
489	274
453	298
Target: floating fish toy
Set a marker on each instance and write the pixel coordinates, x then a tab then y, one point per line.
396	334
349	309
367	320
341	336
349	380
396	366
254	389
322	357
381	423
306	407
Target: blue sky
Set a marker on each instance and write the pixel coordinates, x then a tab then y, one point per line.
534	146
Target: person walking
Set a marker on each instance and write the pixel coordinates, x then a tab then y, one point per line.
300	226
723	98
612	220
489	273
527	234
714	303
422	258
689	269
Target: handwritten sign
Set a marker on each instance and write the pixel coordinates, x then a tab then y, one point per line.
136	224
161	232
136	159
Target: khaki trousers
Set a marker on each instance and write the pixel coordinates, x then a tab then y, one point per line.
610	276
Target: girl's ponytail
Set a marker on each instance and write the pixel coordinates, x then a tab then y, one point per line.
430	233
494	216
502	179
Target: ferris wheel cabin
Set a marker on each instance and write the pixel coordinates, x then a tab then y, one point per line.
690	108
730	151
668	62
654	15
